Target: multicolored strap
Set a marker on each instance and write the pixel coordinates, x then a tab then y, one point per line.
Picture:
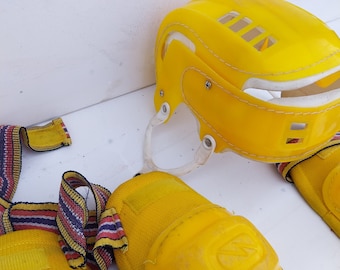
73	217
49	137
10	160
285	167
86	237
110	236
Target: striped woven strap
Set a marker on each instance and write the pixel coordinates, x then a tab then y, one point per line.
10	160
110	236
49	137
284	168
43	138
87	237
73	217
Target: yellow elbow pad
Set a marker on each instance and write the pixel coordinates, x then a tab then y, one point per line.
317	178
170	226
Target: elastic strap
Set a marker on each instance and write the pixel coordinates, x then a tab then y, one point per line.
23	216
73	217
49	137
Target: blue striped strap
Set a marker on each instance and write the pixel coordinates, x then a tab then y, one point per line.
73	216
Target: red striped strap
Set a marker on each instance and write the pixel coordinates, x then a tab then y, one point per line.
10	160
73	216
43	138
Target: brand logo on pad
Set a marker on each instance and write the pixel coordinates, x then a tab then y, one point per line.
238	252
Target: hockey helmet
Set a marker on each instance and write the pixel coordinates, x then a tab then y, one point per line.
261	77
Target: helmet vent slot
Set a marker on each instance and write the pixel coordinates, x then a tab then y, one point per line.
228	17
256	36
253	33
240	24
264	43
294	140
298	126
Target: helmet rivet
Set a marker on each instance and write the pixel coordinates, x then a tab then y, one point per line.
161	93
164	108
208	84
207	142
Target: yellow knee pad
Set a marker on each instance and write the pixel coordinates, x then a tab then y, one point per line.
170	226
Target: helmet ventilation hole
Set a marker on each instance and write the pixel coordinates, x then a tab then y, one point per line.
256	36
228	17
294	140
298	126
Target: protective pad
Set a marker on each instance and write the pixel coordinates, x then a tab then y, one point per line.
318	180
170	226
31	250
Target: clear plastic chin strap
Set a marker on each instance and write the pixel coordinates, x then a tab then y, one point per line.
202	154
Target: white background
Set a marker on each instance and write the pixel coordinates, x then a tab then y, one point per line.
60	56
57	57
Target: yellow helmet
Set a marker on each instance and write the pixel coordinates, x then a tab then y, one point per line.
262	77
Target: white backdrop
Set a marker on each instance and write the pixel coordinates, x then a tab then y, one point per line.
60	56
